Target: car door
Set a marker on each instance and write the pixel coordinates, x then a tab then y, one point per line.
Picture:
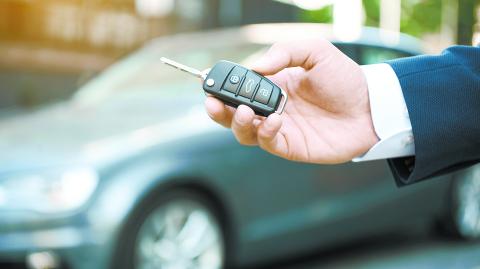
289	207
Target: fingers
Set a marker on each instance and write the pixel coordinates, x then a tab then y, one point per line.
219	112
289	54
243	126
247	128
269	138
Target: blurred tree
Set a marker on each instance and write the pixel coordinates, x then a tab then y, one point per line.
372	12
414	20
421	17
453	20
324	15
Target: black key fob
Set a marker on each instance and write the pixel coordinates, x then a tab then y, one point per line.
236	85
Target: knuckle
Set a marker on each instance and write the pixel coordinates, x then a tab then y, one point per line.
280	46
262	134
239	124
243	140
240	141
244	135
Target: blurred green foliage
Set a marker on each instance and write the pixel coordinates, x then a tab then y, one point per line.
324	15
372	12
418	16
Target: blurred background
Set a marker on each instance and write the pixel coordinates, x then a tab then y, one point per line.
107	160
49	48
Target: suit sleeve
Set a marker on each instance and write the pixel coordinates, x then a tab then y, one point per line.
442	94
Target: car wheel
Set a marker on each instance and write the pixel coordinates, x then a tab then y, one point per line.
177	230
465	210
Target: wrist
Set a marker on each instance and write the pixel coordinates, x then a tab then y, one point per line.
371	137
388	114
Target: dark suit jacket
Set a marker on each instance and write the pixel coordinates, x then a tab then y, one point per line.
442	94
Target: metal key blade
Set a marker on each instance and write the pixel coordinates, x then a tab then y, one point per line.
183	67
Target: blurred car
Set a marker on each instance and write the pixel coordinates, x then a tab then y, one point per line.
131	173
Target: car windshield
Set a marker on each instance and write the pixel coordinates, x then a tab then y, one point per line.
142	74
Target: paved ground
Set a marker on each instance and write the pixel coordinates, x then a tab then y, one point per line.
395	252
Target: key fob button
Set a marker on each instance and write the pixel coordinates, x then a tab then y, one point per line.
231	84
249	85
210	82
264	92
234	79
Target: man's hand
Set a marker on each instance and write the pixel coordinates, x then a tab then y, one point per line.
327	117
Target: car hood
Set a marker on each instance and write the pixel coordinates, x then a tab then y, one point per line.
74	132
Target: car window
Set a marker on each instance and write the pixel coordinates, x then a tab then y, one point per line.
143	72
373	55
349	49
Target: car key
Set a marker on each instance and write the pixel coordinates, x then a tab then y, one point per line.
236	85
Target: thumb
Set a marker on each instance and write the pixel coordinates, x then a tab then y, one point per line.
288	54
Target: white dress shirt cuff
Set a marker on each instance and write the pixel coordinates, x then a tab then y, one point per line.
389	115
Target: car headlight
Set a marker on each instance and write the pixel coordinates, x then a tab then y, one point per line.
48	191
